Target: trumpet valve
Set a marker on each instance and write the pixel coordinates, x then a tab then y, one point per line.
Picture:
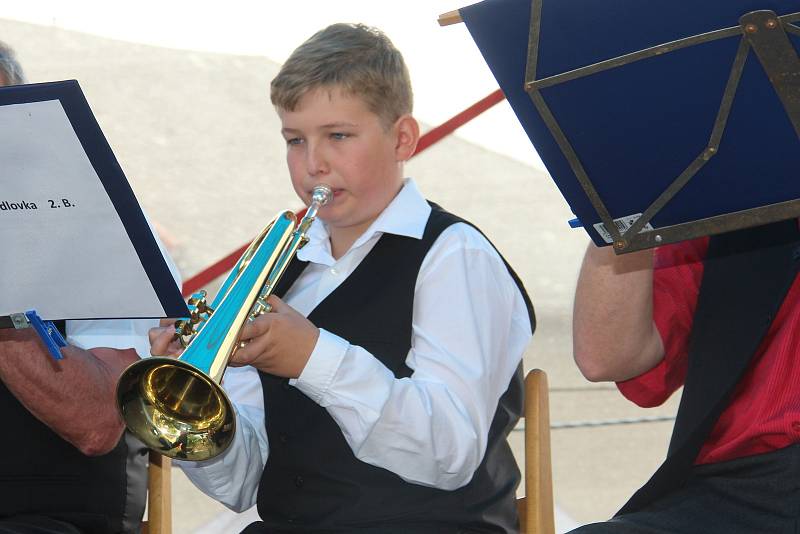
183	327
260	308
199	312
200	296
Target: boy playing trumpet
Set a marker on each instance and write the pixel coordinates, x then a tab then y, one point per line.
391	363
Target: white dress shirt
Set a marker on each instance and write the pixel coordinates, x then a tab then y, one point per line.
470	328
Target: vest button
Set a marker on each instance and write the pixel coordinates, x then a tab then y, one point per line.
298	481
283	438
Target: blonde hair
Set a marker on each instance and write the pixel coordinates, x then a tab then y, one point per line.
355	58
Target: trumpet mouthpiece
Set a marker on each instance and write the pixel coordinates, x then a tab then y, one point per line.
321	194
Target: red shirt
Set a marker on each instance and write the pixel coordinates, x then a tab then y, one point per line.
764	413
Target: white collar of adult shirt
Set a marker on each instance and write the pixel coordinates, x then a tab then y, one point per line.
406	215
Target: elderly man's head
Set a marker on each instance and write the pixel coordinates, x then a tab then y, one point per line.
10	70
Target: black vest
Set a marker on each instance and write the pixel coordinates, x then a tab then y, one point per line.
746	276
41	474
312	480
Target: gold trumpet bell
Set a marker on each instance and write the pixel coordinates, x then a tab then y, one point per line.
177	410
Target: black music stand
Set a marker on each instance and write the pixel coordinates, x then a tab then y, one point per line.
659	121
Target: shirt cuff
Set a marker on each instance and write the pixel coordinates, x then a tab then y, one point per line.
322	365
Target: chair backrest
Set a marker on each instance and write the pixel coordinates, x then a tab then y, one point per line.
536	509
159	496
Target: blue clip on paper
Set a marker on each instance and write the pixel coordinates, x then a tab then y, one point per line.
50	335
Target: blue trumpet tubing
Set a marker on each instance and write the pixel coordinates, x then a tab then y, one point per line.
202	350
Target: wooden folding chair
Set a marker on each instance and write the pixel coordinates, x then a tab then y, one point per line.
159	496
536	513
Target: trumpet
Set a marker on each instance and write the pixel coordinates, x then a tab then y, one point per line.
176	406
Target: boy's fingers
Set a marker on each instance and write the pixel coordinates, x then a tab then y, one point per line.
257	327
278	306
160	340
245	354
154	333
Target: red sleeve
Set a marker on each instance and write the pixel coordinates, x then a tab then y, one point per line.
676	283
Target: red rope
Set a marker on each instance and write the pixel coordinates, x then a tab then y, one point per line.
430	138
446	128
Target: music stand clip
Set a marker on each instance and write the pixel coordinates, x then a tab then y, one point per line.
46	330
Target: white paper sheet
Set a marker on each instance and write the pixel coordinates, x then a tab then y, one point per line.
64	250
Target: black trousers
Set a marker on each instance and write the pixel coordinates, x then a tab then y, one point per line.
35	525
757	494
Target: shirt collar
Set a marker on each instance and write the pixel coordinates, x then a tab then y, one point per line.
406	215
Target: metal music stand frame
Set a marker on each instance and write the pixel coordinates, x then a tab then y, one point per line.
762	31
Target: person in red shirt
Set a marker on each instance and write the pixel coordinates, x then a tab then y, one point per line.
719	316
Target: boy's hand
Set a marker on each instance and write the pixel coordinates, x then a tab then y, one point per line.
279	342
163	341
